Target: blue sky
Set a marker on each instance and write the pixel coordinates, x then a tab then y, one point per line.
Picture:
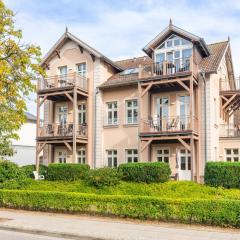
120	29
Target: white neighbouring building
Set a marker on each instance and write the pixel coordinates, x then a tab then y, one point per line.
25	146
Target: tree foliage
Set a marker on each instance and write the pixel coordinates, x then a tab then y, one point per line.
19	65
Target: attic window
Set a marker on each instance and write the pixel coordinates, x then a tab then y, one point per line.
161	46
129	71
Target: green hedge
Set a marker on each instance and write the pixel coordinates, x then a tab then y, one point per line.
67	171
203	211
103	177
224	174
10	171
145	172
28	170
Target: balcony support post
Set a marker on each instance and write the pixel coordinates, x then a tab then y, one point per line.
37	132
74	149
191	93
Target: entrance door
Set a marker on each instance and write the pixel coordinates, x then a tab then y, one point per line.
162	114
184	107
184	163
63	76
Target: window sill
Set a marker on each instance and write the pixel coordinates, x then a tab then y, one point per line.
126	125
111	126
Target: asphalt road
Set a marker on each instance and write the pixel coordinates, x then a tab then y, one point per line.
7	235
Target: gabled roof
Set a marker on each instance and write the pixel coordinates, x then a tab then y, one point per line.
211	63
208	64
66	36
148	49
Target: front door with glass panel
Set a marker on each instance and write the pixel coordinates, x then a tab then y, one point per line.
160	122
184	112
184	164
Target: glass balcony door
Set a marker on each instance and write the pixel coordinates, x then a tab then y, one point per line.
162	113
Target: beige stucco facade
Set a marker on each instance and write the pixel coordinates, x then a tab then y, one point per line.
176	117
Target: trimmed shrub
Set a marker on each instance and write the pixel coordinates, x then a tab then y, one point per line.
222	174
67	171
145	172
103	177
203	211
28	170
9	171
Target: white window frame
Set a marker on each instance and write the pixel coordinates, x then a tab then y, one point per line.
131	155
232	155
82	113
163	155
112	120
62	110
112	157
81	155
82	71
173	48
62	158
132	109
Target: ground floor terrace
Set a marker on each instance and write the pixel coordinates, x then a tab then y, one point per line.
177	155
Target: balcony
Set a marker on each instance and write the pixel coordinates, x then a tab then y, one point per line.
229	130
168	68
167	125
63	82
225	86
55	130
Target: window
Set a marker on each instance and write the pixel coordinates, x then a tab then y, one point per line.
163	155
81	155
131	111
129	71
112	158
62	157
131	155
176	42
169	43
62	114
112	114
232	154
82	113
185	42
63	76
160	57
82	69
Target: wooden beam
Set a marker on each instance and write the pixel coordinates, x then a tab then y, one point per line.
183	85
187	146
80	48
146	144
41	148
42	101
93	57
68	146
229	100
58	53
82	93
165	81
166	138
68	96
146	89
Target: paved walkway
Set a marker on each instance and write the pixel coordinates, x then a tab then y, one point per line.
84	227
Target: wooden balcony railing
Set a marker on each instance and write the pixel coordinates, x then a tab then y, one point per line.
226	86
229	130
168	124
61	81
62	130
165	68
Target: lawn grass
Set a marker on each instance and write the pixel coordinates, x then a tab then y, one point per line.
172	189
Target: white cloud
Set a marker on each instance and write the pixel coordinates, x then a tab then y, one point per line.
123	31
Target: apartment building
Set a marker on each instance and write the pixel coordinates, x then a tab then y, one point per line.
176	104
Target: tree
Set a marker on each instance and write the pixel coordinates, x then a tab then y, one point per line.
19	65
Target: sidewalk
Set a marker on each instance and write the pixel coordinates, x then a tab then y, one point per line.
85	227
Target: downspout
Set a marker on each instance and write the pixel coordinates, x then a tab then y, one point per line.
95	128
205	115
